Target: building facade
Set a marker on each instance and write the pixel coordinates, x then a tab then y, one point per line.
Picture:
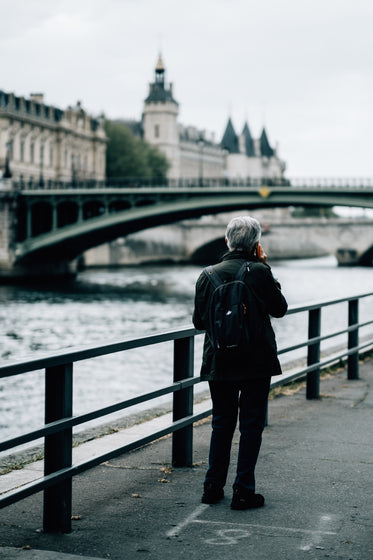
40	144
193	153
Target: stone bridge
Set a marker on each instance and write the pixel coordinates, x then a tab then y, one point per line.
351	241
202	242
44	230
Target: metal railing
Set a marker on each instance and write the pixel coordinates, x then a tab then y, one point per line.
59	421
255	182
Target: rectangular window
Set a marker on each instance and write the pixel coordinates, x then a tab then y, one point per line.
32	152
156	131
22	151
10	149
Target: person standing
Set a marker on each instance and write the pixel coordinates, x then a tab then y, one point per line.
239	382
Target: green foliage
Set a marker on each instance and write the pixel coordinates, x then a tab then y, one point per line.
128	156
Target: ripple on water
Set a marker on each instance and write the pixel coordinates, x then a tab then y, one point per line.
107	305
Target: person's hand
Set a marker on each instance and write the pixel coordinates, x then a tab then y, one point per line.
262	256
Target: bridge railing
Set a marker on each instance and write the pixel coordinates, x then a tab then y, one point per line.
140	182
59	420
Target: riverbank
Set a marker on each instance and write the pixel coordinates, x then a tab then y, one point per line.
138	503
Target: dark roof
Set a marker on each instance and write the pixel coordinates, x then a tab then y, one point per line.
158	93
230	140
265	147
134	126
249	142
12	102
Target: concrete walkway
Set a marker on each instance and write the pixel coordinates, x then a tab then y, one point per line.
315	471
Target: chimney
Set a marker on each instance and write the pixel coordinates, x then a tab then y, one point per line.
38	97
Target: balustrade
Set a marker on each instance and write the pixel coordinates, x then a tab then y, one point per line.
59	421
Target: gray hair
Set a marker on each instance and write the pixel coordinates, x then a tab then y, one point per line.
243	233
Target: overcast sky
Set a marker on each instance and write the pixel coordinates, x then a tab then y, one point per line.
302	68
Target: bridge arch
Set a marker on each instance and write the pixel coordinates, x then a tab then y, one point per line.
118	205
209	252
93	208
67	213
41	218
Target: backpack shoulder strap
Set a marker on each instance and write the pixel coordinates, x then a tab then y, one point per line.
242	271
213	276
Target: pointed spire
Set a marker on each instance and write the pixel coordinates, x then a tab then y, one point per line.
265	147
230	140
160	66
248	141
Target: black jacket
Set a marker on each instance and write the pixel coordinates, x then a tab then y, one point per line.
262	360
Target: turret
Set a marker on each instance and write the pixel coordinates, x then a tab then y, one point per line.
160	118
230	140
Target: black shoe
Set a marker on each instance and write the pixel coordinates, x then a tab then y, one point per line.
246	500
212	494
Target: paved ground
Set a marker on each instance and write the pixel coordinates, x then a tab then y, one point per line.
315	470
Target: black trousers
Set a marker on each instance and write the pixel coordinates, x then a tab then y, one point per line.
246	400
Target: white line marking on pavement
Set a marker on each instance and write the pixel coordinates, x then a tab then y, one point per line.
228	536
312	537
315	536
268	527
190	519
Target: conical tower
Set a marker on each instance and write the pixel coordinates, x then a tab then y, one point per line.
248	141
230	139
265	148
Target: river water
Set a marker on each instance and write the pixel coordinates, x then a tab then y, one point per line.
116	304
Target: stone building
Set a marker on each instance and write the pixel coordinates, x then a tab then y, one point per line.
194	153
40	144
248	157
191	152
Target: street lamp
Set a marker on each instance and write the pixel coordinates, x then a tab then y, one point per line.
41	179
201	145
73	170
7	171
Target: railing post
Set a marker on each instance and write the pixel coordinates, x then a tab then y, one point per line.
313	355
182	440
58	448
353	339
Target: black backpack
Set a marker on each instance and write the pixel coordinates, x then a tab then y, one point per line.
235	321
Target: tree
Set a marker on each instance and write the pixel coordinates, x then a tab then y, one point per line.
128	156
